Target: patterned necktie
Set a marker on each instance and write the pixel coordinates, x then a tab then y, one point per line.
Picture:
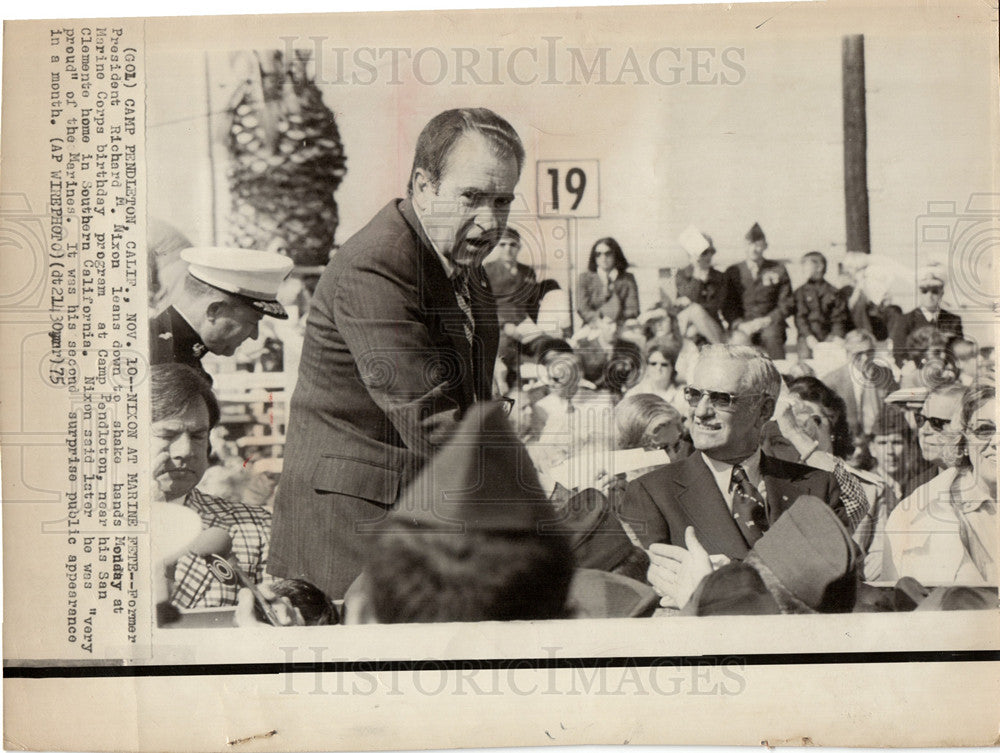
748	506
464	297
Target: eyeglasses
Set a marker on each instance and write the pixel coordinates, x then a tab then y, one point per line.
935	289
507	405
984	431
937	424
603	253
718	400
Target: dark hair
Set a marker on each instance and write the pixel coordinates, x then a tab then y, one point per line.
440	135
624	367
817	256
815	391
920	340
307	598
540	348
621	264
509	232
429	576
891	420
173	387
665	347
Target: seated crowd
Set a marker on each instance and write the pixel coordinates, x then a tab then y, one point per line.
657	462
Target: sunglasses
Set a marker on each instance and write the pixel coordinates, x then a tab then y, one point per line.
937	424
603	253
984	431
506	405
720	400
935	289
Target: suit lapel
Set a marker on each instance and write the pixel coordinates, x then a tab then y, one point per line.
780	493
438	298
701	499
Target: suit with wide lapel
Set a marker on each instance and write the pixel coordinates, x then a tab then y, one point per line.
659	506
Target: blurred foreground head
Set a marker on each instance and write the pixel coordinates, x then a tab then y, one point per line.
468	540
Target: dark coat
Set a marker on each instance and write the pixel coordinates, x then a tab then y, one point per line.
173	340
749	297
516	292
711	293
820	311
618	301
385	375
947	322
660	505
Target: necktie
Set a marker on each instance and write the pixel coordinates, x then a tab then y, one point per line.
462	294
748	506
870	407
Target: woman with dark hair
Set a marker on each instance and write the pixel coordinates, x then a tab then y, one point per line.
607	288
946	532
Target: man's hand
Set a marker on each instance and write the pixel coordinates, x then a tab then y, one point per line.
675	572
245	615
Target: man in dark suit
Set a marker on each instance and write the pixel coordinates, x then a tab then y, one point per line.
727	492
759	297
930	286
401	339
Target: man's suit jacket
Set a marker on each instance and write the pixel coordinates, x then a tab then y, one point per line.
749	297
947	322
515	291
385	374
662	504
710	293
841	381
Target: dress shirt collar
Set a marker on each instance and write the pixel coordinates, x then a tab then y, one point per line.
449	268
931	316
723	472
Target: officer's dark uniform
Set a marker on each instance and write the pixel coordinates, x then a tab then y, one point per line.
173	340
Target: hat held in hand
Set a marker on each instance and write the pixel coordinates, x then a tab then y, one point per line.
811	554
481	480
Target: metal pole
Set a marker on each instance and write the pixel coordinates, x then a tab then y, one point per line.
855	144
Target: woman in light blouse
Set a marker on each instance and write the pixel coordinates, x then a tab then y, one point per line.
945	532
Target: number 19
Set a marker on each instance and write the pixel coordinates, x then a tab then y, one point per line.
576	184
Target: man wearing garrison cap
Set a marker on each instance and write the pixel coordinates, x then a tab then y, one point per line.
223	297
759	296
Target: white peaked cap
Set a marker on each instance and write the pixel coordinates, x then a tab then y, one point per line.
253	275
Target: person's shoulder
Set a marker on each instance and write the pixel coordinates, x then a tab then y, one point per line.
384	236
734	269
786	469
656	478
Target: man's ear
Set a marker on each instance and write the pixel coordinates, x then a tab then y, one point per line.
424	189
216	309
767	408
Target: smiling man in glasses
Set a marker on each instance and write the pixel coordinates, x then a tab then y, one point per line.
930	291
728	491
